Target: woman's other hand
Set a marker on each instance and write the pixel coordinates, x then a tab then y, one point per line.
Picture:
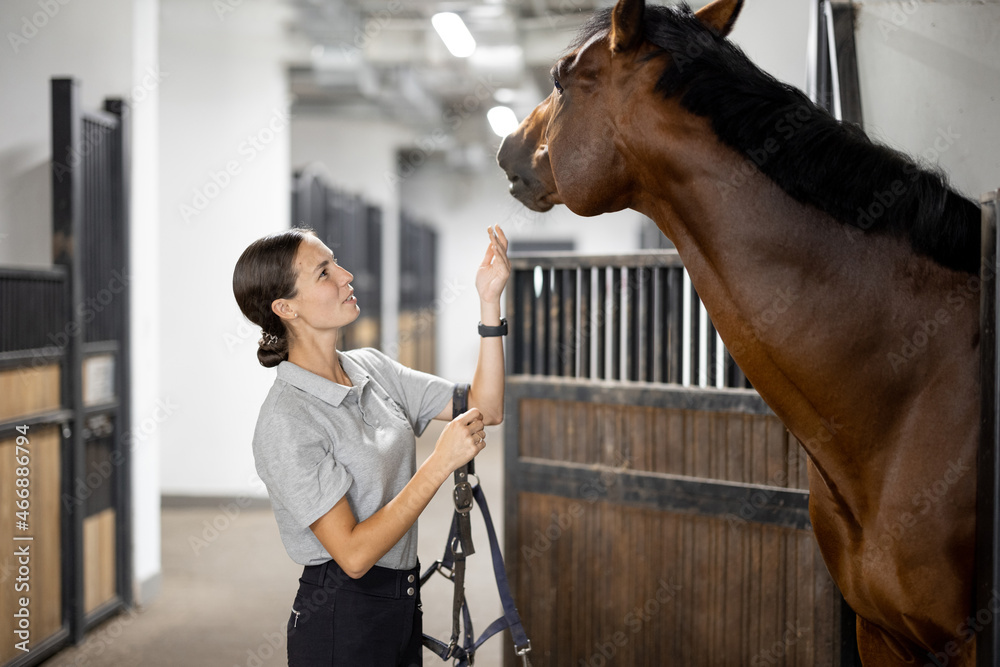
495	267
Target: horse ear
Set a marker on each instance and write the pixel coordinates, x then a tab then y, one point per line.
626	24
720	15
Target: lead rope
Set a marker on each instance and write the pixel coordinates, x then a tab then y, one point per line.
459	547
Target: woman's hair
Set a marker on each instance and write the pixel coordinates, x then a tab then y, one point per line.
265	272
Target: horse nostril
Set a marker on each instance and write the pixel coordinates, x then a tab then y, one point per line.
514	178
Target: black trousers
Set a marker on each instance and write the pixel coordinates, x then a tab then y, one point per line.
374	621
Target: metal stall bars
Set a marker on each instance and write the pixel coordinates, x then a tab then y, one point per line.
352	229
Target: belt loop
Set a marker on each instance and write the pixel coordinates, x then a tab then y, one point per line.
322	573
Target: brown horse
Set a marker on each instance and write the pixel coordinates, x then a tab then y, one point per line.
872	362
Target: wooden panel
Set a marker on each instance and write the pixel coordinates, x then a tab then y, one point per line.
599	584
28	391
44	577
416	339
749	449
98	559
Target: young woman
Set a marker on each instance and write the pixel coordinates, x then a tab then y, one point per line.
335	446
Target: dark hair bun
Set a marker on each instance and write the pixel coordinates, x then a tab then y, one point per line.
270	355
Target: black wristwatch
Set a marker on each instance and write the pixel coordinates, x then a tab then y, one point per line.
487	332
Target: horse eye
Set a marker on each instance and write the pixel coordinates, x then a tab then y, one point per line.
558	86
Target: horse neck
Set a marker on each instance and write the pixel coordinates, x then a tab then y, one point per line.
810	309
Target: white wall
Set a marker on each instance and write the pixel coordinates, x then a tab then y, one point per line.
109	46
930	83
224	182
774	34
30	56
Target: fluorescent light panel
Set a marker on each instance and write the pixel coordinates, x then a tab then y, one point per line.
454	34
502	120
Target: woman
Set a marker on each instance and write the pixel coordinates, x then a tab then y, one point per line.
334	444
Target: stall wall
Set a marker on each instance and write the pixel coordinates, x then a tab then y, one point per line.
109	46
929	75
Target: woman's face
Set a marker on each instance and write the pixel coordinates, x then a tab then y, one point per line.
325	298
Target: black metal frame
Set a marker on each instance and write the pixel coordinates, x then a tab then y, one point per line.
988	462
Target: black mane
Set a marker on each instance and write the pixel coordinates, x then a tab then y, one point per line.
813	157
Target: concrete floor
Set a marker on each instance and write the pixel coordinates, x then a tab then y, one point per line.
226	603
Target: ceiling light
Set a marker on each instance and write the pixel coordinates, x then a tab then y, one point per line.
455	35
502	120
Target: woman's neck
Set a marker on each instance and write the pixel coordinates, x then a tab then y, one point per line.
320	356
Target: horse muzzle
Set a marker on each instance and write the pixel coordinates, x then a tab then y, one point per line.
525	185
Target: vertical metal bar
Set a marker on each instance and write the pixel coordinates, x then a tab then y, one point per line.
552	314
675	326
67	219
586	331
988	463
120	171
703	341
569	328
578	326
600	322
614	323
541	320
686	338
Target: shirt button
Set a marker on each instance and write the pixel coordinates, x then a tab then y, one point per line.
410	578
409	591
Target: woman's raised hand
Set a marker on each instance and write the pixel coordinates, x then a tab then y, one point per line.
460	440
495	267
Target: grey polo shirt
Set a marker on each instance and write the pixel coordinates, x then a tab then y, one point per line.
317	441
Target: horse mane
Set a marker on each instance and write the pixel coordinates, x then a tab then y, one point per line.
816	159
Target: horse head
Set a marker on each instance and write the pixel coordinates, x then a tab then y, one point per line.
575	147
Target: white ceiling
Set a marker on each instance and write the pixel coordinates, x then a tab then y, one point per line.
382	58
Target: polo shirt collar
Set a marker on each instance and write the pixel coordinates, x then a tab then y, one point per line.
319	386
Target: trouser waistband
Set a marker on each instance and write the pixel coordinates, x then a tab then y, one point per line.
380	581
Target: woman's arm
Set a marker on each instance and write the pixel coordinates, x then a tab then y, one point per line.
486	392
358	546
